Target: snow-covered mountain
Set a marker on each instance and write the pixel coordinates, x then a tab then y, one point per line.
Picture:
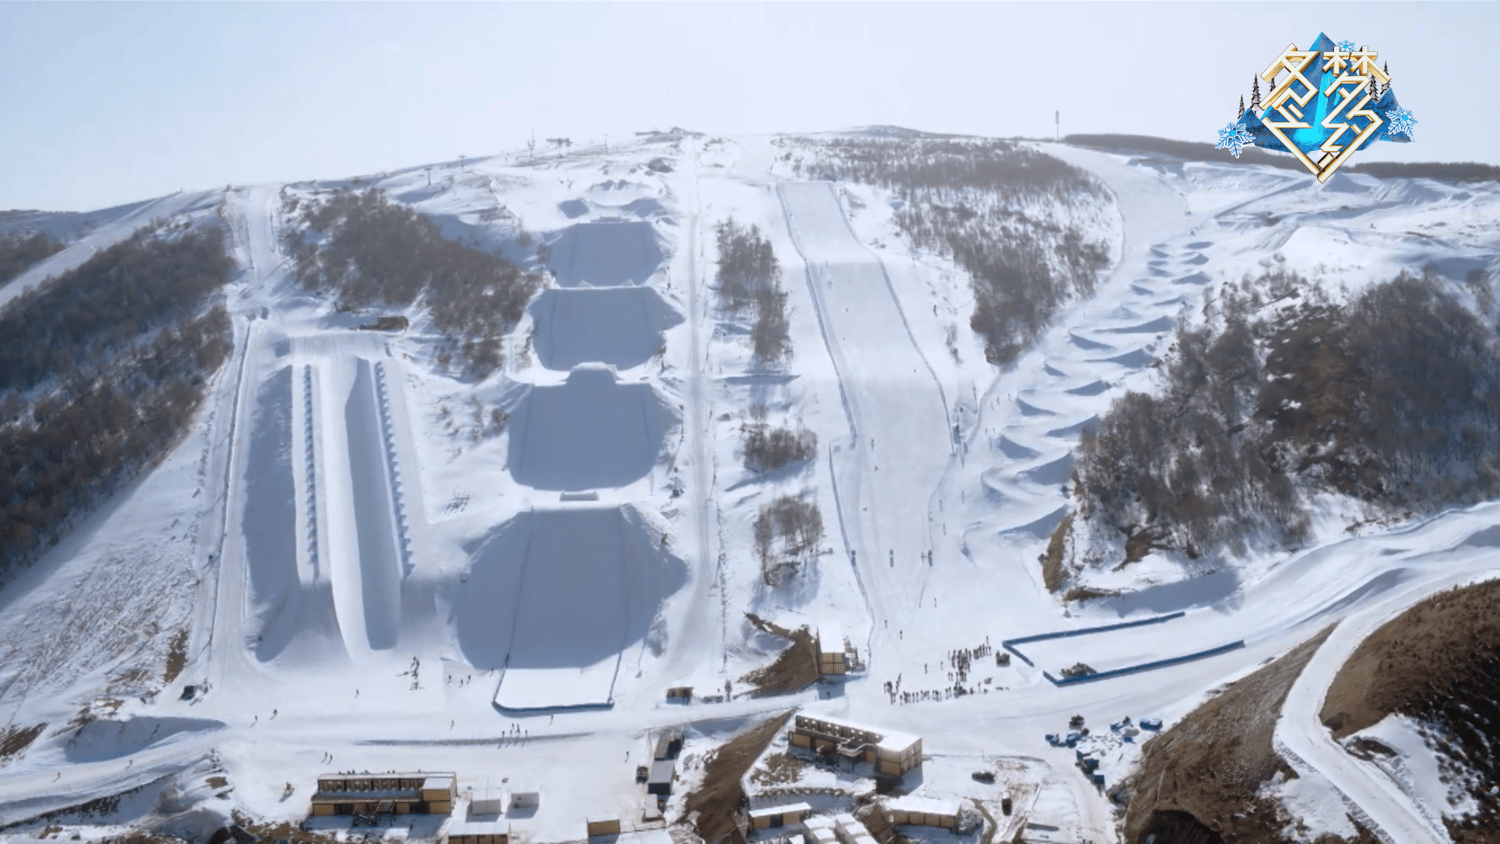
406	499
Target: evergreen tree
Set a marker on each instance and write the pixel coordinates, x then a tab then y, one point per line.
1242	106
1255	96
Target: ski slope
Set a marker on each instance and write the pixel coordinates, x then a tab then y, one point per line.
890	396
372	554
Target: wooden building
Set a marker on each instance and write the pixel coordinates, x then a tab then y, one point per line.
603	826
418	793
892	753
924	811
774	817
479	832
680	694
831	659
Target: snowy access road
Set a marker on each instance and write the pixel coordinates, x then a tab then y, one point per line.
897	414
1393	814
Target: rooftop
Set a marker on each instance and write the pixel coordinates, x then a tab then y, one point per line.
661	771
889	739
831	635
775	811
485	827
925	804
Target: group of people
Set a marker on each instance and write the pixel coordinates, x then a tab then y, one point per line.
962	660
515	735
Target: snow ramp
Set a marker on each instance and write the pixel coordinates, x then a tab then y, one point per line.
287	616
555	598
270	517
605	254
588	433
374	519
616	325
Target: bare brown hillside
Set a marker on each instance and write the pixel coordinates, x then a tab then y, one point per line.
1197	782
1438	662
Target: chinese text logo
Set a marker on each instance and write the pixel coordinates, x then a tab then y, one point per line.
1324	103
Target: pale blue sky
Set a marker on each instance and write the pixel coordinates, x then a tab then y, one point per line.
102	104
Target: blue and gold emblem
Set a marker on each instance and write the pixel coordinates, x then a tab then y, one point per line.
1325	102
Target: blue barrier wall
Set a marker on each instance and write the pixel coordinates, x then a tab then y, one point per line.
1145	666
1084	631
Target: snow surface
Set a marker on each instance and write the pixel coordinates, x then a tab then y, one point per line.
359	553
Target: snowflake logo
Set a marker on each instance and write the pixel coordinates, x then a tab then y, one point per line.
1234	138
1402	122
1346	46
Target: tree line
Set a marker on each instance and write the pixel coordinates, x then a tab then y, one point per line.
18	252
105	367
1392	398
998	209
96	311
768	449
369	251
749	284
787	534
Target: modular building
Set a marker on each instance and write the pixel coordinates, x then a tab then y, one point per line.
525	797
773	817
659	781
479	832
419	793
850	830
892	753
924	811
603	826
820	830
831	659
668	744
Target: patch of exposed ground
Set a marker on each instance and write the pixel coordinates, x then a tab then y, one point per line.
1052	564
1438	663
16	739
778	769
266	832
717	801
795	668
176	656
1197	782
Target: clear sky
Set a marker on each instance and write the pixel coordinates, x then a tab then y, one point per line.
102	104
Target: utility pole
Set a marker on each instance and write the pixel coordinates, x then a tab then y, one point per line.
1057	121
429	175
531	144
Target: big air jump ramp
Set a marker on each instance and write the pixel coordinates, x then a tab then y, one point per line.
605	254
556	597
589	433
621	326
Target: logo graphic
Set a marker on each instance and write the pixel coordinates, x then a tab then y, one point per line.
1321	111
